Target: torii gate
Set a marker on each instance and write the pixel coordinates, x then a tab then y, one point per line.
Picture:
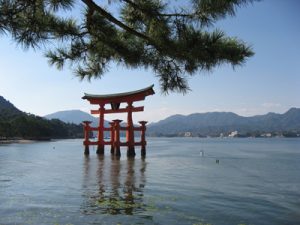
115	101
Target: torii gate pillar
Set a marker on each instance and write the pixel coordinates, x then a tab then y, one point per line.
130	131
100	148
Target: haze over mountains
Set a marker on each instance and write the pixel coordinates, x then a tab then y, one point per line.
72	116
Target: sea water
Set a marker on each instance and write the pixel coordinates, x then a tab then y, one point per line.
181	181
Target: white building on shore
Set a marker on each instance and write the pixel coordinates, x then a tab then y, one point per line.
233	134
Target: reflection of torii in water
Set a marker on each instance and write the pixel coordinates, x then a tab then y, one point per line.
115	195
202	153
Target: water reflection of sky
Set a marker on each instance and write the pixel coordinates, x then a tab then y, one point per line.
113	186
255	181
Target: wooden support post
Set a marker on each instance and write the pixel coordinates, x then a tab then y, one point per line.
117	137
112	137
86	127
86	150
100	148
143	138
130	132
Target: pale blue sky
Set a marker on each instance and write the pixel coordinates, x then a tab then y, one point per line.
269	81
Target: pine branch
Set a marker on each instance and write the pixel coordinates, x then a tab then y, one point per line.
148	35
92	5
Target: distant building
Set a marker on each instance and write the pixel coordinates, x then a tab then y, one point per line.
188	134
266	135
233	134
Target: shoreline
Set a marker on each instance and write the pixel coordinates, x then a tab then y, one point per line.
27	141
17	141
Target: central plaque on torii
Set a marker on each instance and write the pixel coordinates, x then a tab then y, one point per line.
114	102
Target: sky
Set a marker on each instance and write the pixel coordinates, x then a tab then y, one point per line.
268	82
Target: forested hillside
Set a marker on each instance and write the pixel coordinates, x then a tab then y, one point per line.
15	123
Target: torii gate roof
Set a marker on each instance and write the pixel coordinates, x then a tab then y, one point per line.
132	96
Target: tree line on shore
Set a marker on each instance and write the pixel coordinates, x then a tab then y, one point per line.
17	124
254	134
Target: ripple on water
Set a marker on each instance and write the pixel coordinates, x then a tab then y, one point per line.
254	183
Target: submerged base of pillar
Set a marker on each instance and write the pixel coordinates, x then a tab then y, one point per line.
130	151
86	150
117	151
100	157
143	151
115	157
100	150
112	150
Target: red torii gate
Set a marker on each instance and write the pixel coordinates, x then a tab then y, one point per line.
115	101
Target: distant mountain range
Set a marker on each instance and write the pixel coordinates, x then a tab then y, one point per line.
215	123
66	124
205	124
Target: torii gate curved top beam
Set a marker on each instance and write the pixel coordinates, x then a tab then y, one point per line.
132	96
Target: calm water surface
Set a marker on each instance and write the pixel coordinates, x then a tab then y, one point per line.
257	181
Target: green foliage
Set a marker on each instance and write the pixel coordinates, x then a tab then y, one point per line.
173	41
15	123
34	127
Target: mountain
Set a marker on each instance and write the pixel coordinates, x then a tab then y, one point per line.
7	109
72	116
214	123
15	123
75	116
